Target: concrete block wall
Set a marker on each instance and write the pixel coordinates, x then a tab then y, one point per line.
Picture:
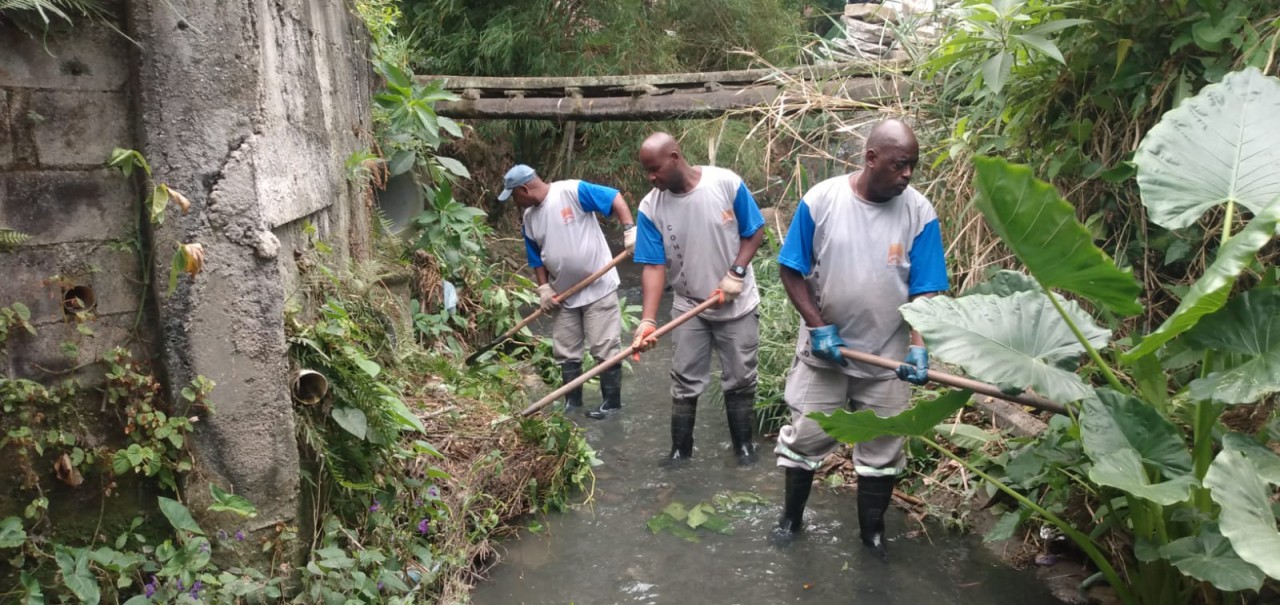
249	108
65	102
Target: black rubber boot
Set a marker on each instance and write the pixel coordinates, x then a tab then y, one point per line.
799	484
740	407
874	495
683	413
570	371
610	392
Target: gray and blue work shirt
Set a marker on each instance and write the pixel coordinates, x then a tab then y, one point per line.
563	235
697	234
861	261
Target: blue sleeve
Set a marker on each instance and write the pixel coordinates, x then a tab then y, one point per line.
649	250
596	198
928	262
531	250
797	248
747	212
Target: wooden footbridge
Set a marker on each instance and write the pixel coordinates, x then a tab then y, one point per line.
851	86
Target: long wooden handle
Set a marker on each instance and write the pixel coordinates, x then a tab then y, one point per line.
959	382
617	358
590	279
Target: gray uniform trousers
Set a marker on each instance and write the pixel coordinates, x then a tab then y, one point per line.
596	327
736	342
803	444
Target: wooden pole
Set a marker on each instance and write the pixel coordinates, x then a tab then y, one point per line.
590	279
951	380
617	359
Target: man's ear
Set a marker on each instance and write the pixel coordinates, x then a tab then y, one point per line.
869	157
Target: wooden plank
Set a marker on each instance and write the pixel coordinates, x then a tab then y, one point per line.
684	80
680	105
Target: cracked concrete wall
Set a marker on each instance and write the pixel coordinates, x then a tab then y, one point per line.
250	108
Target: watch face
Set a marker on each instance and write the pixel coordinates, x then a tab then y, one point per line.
739	270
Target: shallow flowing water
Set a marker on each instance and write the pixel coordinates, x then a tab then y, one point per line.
604	552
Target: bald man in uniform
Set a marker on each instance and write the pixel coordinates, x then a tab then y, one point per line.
859	246
698	230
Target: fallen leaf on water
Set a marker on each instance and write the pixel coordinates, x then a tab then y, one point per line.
67	472
807	586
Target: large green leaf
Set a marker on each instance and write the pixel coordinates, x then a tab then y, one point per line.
1208	557
1215	147
178	515
857	427
1112	422
1246	518
1018	340
1122	469
352	420
1248	326
1004	283
11	533
1041	228
1211	291
1265	460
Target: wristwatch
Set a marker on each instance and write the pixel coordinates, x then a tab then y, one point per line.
738	271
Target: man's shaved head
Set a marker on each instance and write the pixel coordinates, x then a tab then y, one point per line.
659	143
891	133
890	157
664	165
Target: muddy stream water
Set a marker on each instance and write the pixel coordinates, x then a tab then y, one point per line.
604	552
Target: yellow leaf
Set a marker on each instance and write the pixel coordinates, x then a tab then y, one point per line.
194	256
182	200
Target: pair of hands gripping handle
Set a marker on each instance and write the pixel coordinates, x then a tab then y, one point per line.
730	287
825	343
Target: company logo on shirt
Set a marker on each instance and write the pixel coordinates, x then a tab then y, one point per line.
566	214
896	255
726	218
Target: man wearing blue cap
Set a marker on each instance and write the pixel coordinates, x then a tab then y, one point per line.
564	244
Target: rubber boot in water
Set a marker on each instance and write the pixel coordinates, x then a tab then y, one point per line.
570	371
799	483
740	407
683	413
874	495
610	392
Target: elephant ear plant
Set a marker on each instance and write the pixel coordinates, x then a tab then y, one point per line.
1194	499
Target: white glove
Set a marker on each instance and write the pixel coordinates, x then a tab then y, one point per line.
629	238
730	287
547	298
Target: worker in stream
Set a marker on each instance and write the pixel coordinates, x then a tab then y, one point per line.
859	246
564	245
698	230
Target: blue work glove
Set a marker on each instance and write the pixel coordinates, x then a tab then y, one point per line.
825	343
916	370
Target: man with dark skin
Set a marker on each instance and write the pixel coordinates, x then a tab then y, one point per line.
859	246
564	244
698	230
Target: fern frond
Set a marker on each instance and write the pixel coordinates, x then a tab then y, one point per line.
10	238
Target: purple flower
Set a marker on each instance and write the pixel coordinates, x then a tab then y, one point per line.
417	501
204	547
195	590
373	508
180	587
380	586
433	492
424	526
240	535
150	587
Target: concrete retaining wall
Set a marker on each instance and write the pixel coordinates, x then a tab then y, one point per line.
249	108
